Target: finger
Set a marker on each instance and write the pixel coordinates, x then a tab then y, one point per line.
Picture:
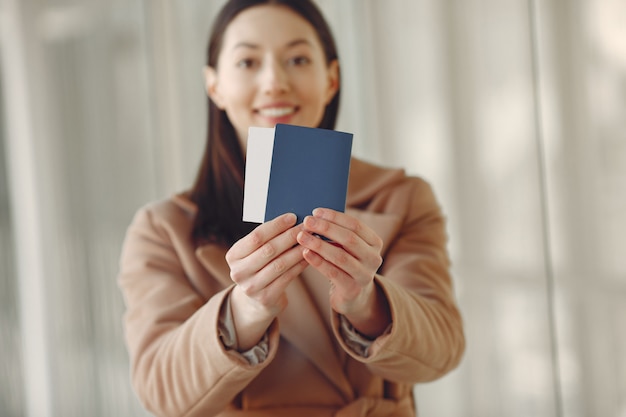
329	270
277	286
276	268
343	284
331	231
259	236
349	240
332	261
350	223
274	253
273	297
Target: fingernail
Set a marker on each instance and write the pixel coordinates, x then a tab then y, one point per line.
290	218
303	237
310	221
318	211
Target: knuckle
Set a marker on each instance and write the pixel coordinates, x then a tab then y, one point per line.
256	237
268	250
247	288
236	275
352	239
264	298
377	261
341	258
229	258
333	273
279	266
321	225
354	225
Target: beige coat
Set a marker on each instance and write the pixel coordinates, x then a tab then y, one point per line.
173	293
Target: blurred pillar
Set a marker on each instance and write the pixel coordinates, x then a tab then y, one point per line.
19	59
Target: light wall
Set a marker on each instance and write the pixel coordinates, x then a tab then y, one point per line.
515	111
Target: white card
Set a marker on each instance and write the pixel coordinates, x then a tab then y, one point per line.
257	177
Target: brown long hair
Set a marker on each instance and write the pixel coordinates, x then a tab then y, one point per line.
218	188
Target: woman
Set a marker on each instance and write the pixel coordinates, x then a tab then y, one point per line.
228	319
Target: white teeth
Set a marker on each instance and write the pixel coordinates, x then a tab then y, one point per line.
276	111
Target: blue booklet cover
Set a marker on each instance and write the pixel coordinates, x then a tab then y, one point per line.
295	169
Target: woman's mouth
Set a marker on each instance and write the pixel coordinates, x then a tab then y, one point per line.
277	112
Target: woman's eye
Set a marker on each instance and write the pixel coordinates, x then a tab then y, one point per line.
246	63
299	61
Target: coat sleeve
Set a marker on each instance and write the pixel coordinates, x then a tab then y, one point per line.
426	339
179	365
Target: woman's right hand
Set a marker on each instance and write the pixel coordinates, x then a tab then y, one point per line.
262	264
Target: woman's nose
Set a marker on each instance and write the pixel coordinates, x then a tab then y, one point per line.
274	78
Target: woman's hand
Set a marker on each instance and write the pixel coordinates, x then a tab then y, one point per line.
262	264
350	261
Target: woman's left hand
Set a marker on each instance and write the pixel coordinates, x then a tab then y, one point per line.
350	261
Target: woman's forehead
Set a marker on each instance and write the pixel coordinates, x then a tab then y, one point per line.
269	26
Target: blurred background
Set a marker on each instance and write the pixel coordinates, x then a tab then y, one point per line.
515	111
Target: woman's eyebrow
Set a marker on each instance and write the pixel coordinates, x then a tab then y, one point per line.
246	45
298	42
291	44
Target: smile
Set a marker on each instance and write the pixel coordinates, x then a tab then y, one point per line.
276	111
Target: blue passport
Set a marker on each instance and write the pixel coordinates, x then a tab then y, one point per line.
295	169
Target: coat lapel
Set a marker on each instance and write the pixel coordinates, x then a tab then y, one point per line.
213	258
302	324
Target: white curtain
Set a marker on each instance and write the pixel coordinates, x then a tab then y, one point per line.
515	110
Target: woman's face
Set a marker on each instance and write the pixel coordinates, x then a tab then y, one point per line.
271	69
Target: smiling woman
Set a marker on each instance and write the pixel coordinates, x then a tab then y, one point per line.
285	323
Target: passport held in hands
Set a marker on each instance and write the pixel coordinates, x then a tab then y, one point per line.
295	169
